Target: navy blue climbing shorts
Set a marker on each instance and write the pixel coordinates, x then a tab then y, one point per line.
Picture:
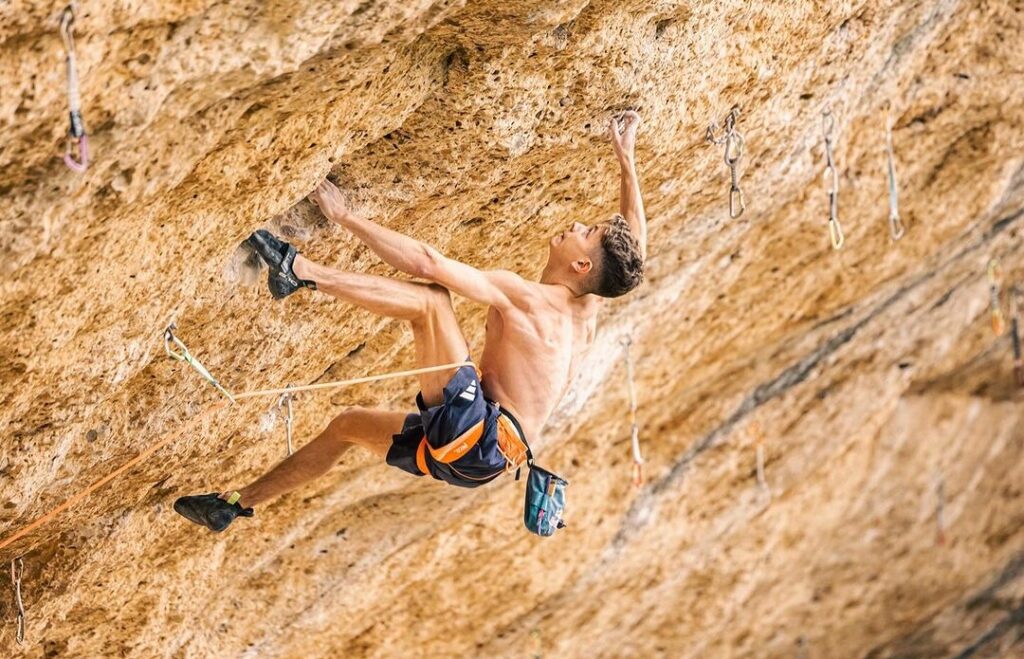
456	441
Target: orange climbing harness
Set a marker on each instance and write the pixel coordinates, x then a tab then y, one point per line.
510	444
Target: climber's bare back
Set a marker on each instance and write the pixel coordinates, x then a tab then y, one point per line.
533	349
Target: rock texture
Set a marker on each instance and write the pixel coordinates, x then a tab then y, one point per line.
894	436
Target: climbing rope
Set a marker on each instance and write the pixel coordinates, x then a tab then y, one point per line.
1016	295
638	460
71	501
286	401
733	142
17	573
995	308
896	229
835	230
185	356
346	383
76	131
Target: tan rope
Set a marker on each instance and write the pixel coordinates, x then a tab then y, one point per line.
346	383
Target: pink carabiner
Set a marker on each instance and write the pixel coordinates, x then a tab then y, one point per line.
82	163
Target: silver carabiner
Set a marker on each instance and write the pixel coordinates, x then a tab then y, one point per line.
896	229
286	401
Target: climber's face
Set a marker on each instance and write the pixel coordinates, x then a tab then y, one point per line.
576	248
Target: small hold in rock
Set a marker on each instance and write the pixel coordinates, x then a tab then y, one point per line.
243	267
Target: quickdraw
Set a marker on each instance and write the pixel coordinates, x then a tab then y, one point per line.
733	141
77	137
17	573
835	230
995	308
758	433
185	356
286	401
1016	297
638	460
896	229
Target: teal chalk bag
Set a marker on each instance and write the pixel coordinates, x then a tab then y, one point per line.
545	501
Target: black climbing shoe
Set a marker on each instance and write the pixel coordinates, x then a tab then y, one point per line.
210	510
279	257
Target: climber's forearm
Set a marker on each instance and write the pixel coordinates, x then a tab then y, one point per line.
631	205
397	250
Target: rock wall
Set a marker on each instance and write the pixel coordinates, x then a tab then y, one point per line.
893	433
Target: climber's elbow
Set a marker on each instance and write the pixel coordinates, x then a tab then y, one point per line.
424	262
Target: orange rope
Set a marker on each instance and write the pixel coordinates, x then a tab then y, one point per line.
216	406
106	479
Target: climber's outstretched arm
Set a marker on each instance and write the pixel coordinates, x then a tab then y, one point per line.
397	250
631	205
497	288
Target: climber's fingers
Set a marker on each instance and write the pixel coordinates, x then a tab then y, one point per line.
329	200
631	119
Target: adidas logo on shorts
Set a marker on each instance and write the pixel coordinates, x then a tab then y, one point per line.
470	392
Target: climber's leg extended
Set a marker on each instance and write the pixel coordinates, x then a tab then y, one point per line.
356	426
369	428
427	307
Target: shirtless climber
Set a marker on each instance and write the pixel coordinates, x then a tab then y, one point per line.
472	426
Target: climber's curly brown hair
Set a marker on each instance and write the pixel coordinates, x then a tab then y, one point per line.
620	268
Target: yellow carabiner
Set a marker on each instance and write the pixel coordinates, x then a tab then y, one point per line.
835	232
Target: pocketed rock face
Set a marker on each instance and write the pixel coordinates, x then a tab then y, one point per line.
894	436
